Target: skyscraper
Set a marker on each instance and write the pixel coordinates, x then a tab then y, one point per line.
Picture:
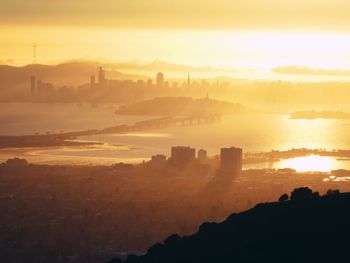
188	80
101	77
231	161
160	80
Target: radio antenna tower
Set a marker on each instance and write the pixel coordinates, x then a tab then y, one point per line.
34	53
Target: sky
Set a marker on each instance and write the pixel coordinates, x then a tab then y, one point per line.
259	34
203	14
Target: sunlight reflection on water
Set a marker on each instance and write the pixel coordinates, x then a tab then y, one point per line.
310	163
253	133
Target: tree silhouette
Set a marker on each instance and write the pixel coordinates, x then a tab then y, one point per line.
301	194
283	198
333	192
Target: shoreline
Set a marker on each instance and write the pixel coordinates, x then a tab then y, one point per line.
99	153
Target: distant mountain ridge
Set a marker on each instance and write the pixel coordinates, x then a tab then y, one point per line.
70	73
306	228
77	72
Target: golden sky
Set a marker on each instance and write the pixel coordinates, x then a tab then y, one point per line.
204	14
241	33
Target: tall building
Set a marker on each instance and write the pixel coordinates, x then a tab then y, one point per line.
202	155
32	85
101	77
181	155
188	80
160	80
231	161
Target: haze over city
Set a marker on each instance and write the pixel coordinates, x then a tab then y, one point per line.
187	131
259	35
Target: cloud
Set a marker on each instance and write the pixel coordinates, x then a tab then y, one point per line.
298	70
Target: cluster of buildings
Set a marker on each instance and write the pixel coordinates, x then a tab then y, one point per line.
230	158
94	213
38	86
99	88
103	82
60	213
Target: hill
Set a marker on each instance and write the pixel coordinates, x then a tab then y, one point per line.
181	106
306	228
70	73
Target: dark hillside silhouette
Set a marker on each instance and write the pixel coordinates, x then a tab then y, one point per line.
306	228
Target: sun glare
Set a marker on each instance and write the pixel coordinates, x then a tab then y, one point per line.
309	163
259	50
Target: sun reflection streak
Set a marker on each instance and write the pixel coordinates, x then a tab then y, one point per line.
309	163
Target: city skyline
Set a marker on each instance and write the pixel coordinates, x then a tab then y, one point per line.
241	35
147	131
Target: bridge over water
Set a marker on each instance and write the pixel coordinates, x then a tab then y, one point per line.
55	139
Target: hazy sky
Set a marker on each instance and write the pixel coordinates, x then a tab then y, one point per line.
242	33
218	14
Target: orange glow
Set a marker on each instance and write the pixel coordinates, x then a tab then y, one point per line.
255	34
240	50
309	163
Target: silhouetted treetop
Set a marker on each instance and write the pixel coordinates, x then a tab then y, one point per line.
301	194
283	198
333	192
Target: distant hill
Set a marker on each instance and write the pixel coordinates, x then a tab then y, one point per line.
70	73
181	106
306	228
